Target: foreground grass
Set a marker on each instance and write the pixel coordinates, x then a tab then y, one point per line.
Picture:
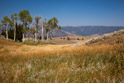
85	64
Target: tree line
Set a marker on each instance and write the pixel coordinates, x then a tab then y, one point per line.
21	25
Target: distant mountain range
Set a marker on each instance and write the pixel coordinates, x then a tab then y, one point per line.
87	30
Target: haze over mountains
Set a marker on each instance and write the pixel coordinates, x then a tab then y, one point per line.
87	30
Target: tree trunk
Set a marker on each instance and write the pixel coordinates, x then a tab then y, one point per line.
7	32
28	33
51	34
23	34
14	32
42	33
23	39
35	39
47	36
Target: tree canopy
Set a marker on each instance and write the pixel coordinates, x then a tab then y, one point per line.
25	17
6	20
20	25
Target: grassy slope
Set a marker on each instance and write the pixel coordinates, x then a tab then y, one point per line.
61	63
111	38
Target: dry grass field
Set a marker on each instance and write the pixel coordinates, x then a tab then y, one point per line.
50	63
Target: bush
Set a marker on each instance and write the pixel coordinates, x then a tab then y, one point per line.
63	37
78	38
68	38
30	43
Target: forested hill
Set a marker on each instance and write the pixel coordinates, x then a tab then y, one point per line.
91	30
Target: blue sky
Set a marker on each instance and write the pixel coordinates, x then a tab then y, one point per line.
70	12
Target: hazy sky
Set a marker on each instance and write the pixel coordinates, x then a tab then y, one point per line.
70	12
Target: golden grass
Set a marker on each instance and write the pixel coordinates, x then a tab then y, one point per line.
62	63
27	50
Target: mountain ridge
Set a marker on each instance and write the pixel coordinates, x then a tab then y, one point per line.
91	30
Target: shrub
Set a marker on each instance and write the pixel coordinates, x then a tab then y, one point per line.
78	38
68	38
63	37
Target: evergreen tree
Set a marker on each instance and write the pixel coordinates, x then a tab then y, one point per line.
19	32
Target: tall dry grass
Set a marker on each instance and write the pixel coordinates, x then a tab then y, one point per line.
63	64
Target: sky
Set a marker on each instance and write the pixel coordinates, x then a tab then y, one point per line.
70	12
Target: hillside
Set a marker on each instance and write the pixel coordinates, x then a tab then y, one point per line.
63	33
4	42
116	37
91	30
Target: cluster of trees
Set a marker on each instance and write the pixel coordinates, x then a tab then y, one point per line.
20	26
